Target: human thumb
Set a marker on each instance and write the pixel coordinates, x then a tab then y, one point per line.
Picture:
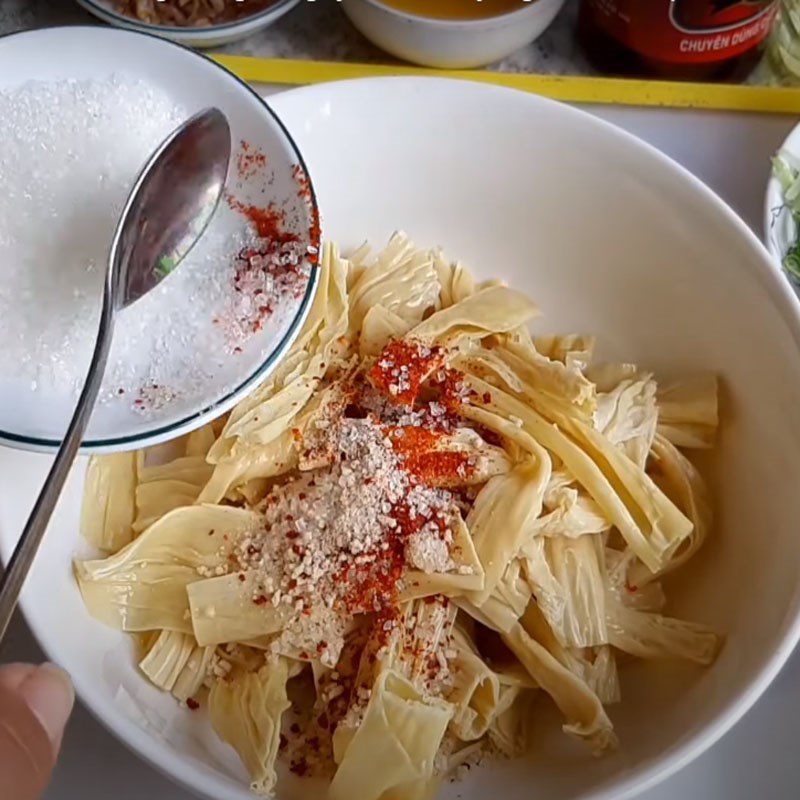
35	704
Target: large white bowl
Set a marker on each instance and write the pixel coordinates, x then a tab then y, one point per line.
611	237
36	419
211	36
451	44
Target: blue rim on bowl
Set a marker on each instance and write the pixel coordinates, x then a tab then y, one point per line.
108	13
229	399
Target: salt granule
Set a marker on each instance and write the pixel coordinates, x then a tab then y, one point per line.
72	150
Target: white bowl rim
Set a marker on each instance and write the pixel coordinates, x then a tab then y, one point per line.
482	23
194	32
647	775
197	418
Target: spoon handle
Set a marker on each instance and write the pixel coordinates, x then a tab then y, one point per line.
14	576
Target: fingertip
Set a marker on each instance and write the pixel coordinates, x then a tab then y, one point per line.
13	675
48	692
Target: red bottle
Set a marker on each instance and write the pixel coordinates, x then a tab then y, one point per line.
681	39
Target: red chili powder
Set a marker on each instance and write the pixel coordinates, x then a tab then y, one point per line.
269	222
417	448
315	234
249	160
450	383
303	184
402	367
373	586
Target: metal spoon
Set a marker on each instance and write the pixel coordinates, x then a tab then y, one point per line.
167	211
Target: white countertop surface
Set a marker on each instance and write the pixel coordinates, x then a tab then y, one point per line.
730	152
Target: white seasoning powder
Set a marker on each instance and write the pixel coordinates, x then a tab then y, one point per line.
428	552
323	522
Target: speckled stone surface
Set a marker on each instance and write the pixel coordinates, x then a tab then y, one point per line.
319	30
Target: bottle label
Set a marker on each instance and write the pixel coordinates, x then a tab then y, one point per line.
686	31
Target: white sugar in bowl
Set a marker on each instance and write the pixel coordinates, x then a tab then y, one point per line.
82	109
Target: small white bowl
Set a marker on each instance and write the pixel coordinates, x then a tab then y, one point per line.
211	36
780	230
34	418
450	44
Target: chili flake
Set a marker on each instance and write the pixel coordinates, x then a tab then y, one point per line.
402	367
418	447
250	160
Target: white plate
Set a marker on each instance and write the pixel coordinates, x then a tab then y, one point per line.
37	419
212	36
609	237
780	230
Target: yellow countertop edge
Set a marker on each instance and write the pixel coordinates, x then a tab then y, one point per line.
572	89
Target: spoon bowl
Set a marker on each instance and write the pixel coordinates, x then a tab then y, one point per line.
170	205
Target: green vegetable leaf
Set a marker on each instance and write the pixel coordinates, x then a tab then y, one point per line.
791	262
783	171
165	265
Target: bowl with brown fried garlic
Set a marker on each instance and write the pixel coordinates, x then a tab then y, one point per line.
197	23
